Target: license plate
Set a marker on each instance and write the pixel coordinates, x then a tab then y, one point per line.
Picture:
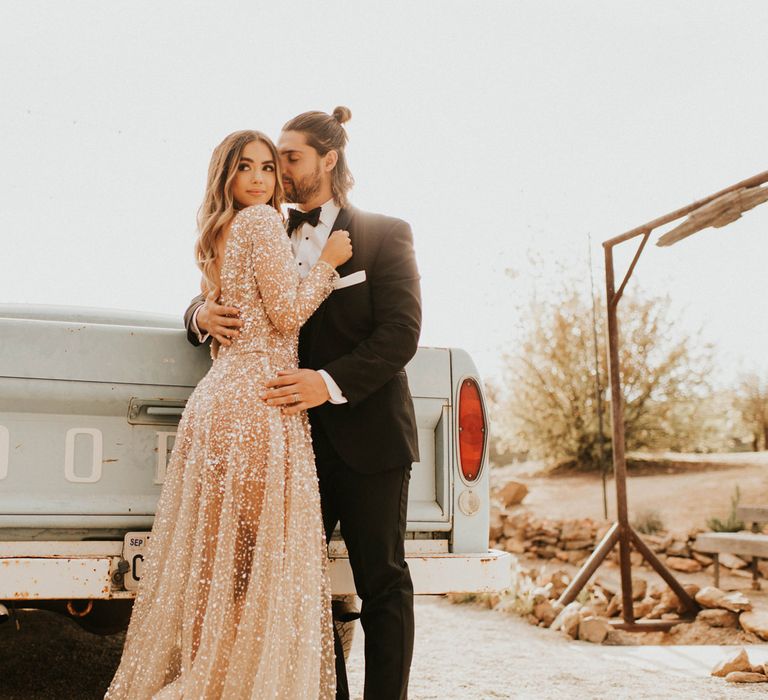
134	550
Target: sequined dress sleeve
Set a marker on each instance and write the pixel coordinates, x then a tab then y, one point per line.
288	300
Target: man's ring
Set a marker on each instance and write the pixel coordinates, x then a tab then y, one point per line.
296	398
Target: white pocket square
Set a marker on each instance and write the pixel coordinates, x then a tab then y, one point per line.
349	280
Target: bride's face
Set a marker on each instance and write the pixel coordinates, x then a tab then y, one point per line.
255	179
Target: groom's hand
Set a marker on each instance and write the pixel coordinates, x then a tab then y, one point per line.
297	390
219	321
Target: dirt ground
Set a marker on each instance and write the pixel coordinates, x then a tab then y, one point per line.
462	652
685	498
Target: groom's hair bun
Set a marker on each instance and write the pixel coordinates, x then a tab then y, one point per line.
342	114
324	132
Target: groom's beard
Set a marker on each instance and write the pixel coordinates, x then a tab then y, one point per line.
300	191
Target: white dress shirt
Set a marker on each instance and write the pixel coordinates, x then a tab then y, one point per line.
307	243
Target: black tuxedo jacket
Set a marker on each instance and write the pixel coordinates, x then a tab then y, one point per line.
363	335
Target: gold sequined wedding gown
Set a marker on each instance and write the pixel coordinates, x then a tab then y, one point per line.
234	600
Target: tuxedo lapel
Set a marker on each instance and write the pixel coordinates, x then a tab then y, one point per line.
342	220
342	223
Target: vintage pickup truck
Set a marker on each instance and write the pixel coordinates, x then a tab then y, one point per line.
89	402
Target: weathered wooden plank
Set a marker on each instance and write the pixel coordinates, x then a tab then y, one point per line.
746	543
718	212
752	514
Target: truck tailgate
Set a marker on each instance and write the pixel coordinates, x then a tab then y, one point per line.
88	420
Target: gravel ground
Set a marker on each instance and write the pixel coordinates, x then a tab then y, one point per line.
461	652
470	653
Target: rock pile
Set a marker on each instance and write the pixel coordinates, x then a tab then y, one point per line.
725	617
721	609
567	540
589	618
738	669
520	532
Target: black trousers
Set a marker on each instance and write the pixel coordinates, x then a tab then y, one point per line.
370	510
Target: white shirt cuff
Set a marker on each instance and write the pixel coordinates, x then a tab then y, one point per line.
193	325
333	388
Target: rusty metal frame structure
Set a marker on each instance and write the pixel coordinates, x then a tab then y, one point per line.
621	532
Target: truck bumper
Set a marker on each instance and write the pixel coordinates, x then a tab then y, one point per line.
435	574
84	570
59	570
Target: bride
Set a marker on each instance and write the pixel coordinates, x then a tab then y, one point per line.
235	601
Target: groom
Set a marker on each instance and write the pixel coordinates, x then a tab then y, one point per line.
352	354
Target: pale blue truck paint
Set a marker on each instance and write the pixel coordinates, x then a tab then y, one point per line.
90	399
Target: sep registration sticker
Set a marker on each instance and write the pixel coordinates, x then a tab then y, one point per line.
134	551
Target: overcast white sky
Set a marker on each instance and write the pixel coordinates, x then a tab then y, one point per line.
495	128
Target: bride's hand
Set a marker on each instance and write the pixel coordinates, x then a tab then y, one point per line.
338	249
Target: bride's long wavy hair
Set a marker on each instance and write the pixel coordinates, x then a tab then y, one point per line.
219	206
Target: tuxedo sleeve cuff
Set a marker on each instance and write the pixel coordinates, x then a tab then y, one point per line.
333	388
195	329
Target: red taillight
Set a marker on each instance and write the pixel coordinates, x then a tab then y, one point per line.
471	429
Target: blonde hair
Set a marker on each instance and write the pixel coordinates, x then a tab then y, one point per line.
219	206
324	132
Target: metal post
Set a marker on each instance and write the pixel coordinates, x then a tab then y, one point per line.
598	387
622	531
590	566
619	462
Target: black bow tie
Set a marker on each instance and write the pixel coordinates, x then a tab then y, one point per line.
297	218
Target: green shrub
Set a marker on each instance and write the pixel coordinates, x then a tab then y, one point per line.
648	522
732	524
